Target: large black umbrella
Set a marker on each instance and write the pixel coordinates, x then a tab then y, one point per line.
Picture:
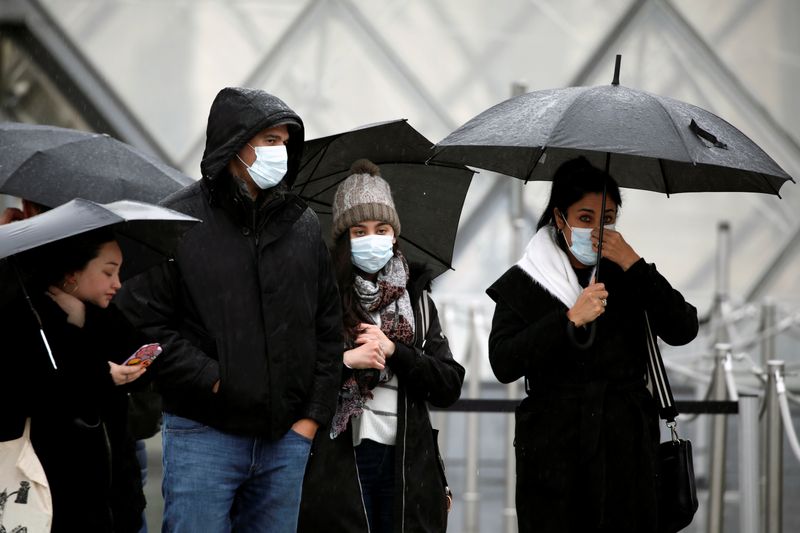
428	197
644	140
147	234
51	166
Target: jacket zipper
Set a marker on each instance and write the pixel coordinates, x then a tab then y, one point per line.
417	336
403	487
361	490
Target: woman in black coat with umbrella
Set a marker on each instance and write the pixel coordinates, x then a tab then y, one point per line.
78	410
587	433
377	468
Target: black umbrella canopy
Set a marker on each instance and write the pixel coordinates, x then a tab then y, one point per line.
428	197
147	234
648	141
51	166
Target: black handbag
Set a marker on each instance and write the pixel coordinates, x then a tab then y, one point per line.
677	494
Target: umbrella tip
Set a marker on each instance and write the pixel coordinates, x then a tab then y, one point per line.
617	64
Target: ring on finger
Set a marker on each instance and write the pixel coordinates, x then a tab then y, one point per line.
603	302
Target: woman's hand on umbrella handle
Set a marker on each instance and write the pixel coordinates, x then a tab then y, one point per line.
368	355
124	374
590	304
615	248
371	332
73	307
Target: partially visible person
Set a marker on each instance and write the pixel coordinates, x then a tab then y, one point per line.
144	408
376	468
78	411
249	317
29	209
587	432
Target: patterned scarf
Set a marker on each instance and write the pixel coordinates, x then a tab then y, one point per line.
387	296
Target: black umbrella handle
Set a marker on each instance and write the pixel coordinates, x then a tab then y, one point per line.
593	326
15	268
585	345
602	221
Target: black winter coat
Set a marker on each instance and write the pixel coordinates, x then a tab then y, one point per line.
587	433
250	299
427	373
78	416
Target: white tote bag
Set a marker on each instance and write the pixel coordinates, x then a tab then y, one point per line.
24	493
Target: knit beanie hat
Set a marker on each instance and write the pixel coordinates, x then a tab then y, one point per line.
364	195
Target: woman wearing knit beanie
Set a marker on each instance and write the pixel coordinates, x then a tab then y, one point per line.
377	467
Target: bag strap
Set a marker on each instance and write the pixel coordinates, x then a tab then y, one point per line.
658	377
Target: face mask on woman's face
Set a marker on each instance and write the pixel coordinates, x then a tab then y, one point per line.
372	252
581	246
270	165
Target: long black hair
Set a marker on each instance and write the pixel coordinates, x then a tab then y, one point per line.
571	181
49	264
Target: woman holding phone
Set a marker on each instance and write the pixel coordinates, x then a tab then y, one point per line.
78	410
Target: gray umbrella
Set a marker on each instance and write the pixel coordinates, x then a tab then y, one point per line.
147	234
51	166
644	140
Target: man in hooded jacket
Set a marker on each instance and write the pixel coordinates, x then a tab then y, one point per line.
249	318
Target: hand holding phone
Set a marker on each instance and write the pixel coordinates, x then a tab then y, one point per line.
144	356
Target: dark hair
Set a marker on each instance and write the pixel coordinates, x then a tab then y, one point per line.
571	181
352	313
48	264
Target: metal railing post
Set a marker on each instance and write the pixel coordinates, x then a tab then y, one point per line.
774	445
722	283
723	260
768	320
719	426
749	465
471	495
518	224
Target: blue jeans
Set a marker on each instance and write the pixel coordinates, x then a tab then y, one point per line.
215	481
376	474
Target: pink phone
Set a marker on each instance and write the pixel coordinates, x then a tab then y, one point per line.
144	355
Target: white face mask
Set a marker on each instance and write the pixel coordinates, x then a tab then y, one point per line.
371	253
270	165
581	246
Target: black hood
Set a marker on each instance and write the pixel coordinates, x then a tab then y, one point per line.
236	115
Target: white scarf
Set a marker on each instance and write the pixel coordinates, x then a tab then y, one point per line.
549	266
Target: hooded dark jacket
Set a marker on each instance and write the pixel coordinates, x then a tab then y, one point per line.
250	299
427	373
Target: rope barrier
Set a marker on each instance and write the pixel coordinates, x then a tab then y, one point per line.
471	405
730	382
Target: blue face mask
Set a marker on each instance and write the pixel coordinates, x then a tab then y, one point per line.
270	165
581	246
372	252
